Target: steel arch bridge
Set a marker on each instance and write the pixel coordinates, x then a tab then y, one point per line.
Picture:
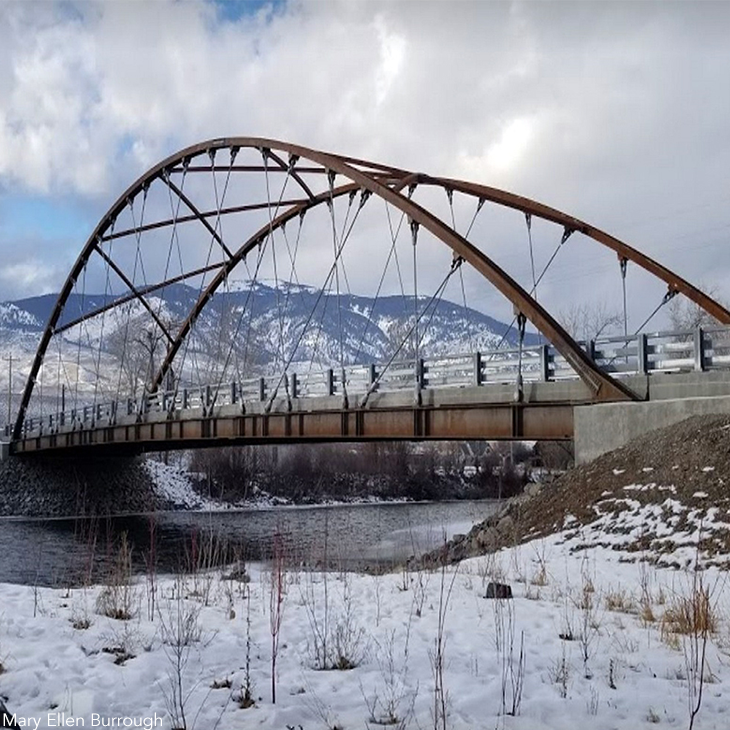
230	204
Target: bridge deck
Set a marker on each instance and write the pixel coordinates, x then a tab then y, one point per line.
450	409
545	412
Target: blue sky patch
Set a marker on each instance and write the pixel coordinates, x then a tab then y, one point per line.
233	10
25	217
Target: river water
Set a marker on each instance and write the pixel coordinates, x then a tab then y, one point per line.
66	551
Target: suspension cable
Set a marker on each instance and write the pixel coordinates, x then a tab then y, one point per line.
364	196
480	205
456	263
394	238
408	334
567	233
623	263
280	349
668	296
528	220
137	260
521	320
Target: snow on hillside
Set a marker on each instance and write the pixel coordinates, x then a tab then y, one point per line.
262	327
173	484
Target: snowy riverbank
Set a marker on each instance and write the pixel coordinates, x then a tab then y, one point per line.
174	485
60	656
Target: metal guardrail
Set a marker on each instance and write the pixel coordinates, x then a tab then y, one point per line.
673	351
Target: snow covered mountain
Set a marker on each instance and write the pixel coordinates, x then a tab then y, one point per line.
262	326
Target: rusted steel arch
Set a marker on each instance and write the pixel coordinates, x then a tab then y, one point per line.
601	385
385	182
675	283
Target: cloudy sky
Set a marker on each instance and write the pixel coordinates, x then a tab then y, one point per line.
618	113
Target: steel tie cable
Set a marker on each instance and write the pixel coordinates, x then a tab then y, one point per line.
394	238
408	334
363	199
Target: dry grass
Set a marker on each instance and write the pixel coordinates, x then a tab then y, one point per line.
689	615
539	577
620	601
117	598
646	613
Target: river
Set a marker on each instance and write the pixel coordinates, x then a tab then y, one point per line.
65	551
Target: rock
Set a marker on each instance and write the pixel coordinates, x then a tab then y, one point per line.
532	489
499	590
66	485
506	525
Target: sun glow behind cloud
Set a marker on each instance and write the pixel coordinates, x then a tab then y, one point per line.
512	146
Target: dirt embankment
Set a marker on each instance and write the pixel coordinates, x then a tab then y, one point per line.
666	490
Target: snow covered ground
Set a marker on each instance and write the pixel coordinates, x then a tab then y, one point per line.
596	651
173	484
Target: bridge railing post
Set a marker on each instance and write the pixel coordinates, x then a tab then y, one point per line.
330	381
544	363
700	354
477	366
372	375
293	385
420	374
642	354
262	389
234	394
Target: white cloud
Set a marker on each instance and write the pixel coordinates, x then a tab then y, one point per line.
613	112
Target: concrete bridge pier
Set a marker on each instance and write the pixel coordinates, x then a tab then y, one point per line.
598	429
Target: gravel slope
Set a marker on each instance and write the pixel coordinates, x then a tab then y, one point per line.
664	493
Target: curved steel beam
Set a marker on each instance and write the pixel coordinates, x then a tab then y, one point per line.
102	227
371	178
674	282
198	215
602	385
134	291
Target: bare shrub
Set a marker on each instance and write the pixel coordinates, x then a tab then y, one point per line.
151	569
588	624
118	597
592	704
540	575
438	654
392	702
336	639
245	697
559	672
277	595
180	630
512	661
420	590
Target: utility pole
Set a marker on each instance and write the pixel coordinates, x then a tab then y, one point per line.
9	358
